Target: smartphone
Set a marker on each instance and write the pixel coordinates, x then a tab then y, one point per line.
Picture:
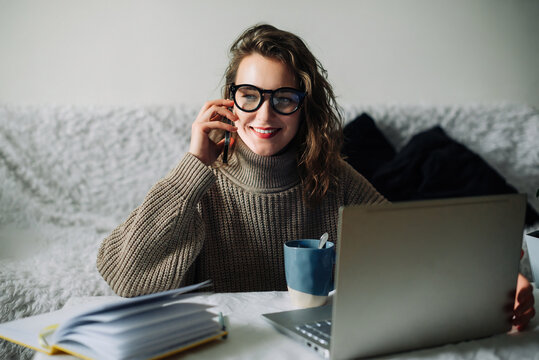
227	140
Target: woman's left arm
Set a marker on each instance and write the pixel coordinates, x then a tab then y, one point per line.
523	310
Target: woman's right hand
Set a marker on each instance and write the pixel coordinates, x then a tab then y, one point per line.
208	119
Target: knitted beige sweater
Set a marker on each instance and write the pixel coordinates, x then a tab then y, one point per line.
227	224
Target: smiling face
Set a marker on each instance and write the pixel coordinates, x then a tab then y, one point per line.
265	131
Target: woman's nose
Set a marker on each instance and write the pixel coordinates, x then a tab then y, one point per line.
265	110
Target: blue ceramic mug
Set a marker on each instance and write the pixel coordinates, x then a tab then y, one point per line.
309	271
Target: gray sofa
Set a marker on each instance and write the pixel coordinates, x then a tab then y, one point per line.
69	175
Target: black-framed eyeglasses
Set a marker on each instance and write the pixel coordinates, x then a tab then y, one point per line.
249	98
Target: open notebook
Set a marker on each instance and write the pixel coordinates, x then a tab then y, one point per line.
146	327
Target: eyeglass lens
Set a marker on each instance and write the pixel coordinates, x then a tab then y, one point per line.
248	98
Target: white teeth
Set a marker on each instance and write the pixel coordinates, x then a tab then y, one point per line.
264	131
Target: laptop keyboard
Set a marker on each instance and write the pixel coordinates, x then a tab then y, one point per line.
319	331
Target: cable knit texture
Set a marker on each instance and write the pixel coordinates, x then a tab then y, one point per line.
224	223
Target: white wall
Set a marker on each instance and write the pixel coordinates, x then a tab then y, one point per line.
168	52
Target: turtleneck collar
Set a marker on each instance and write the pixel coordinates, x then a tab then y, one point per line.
262	173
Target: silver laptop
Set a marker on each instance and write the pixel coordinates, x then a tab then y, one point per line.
416	274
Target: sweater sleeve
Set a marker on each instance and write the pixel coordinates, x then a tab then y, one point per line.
157	244
358	189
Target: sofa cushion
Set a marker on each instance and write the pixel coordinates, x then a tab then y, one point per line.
433	165
365	147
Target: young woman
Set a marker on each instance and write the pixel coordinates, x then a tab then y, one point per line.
285	180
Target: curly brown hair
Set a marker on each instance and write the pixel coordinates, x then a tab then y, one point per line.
319	136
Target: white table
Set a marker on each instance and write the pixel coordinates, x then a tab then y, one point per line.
251	337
